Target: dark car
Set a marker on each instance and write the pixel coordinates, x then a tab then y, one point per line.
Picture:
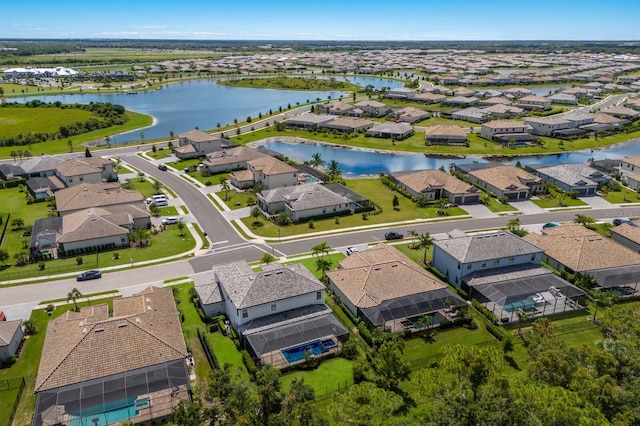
393	236
162	167
89	275
618	222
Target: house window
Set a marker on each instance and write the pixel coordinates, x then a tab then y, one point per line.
245	313
273	307
70	179
484	264
318	295
469	266
81	178
512	259
533	257
459	265
122	239
496	262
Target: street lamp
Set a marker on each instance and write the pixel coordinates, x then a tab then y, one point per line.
279	241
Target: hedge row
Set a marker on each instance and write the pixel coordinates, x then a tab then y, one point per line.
249	363
484	311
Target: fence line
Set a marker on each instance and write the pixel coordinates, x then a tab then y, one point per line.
330	390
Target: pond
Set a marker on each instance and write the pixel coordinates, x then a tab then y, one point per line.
355	162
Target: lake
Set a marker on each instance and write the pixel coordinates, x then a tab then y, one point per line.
356	162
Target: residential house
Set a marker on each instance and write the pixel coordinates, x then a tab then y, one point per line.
511	182
429	98
507	132
410	114
390	130
463	91
277	311
628	165
575	249
472	114
308	121
387	290
87	195
435	185
267	172
305	201
138	370
628	235
495	100
11	335
622	112
43	187
88	170
534	102
348	124
570	177
503	111
401	93
196	143
518	92
93	231
504	273
372	108
443	134
547	126
563	98
335	108
460	101
231	159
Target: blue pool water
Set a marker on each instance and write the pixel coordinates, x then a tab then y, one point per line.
310	179
110	413
316	347
527	305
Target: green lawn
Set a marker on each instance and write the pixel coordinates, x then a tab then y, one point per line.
374	191
626	195
226	352
61	146
291	83
330	376
160	153
310	262
168	211
557	198
163	244
417	348
22	120
143	185
237	200
13	201
497	207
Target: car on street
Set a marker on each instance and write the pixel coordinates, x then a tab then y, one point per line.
550	225
93	274
171	220
391	235
618	222
351	250
162	167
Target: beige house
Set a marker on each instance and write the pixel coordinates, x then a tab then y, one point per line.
87	195
509	181
348	124
11	336
436	184
231	159
335	108
196	143
368	282
534	102
443	134
372	108
87	170
132	360
410	114
266	171
93	231
429	98
627	235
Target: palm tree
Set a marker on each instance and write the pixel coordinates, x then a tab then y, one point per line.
522	318
224	185
139	237
317	161
425	241
584	220
323	265
413	234
29	326
335	172
181	224
73	295
157	187
604	299
320	249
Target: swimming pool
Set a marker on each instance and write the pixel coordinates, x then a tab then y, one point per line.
315	347
112	412
310	179
420	321
527	305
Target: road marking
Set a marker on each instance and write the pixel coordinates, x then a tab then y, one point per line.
219	242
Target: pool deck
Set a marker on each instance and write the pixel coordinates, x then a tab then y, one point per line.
277	359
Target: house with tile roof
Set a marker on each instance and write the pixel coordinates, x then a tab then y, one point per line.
504	180
335	108
305	201
372	108
129	363
266	171
277	311
384	287
570	177
93	230
390	130
87	195
11	336
446	134
308	120
231	159
87	170
410	114
507	132
534	102
627	235
196	143
435	185
630	165
347	124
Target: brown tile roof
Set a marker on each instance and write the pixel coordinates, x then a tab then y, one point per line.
242	175
144	330
505	177
77	168
196	136
422	180
90	224
445	130
271	166
88	195
233	155
381	273
631	233
581	249
8	330
635	161
504	124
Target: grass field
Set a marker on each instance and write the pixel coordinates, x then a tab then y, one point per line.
332	375
557	199
13	201
290	83
20	120
626	195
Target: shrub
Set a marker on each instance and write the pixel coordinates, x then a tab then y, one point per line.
41	266
248	362
213	327
496	331
222	327
79	260
365	333
484	311
9	361
350	349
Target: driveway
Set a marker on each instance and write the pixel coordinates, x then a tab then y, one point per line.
597	202
527	206
478	211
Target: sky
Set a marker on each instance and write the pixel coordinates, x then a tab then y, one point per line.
420	20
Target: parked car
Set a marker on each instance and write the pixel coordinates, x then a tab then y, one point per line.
156	199
550	225
171	220
618	222
393	236
162	167
351	250
93	274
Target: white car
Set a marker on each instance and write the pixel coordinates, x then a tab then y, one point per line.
171	220
351	250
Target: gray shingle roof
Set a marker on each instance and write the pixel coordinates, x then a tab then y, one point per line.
247	288
494	245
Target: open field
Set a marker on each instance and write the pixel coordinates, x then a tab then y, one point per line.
291	83
20	120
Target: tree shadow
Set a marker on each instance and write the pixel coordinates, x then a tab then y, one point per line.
512	362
